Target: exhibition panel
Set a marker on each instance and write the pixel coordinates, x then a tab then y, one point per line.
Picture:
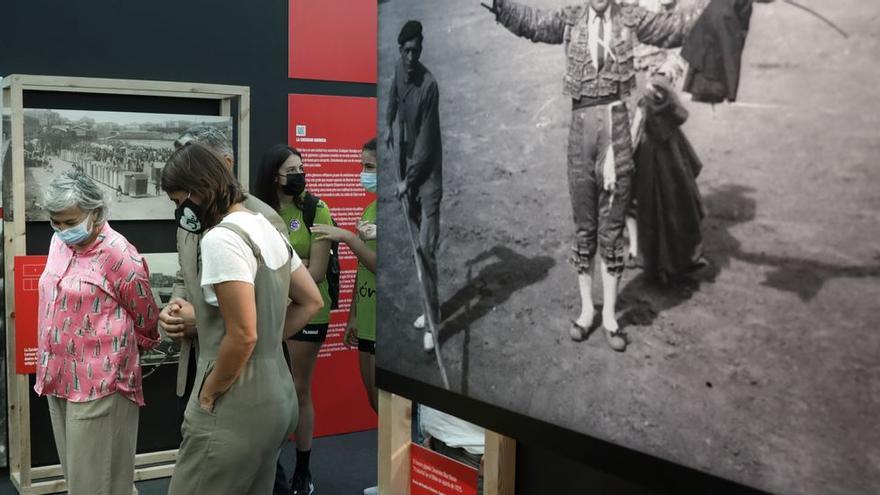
658	256
330	131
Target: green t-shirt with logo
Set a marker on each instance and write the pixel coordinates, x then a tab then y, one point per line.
301	240
366	288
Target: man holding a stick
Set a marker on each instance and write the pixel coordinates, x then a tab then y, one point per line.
413	102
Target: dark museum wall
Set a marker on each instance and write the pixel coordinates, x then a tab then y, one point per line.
219	42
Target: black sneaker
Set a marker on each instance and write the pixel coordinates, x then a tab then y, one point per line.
302	485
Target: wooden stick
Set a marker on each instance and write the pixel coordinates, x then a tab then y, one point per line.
420	269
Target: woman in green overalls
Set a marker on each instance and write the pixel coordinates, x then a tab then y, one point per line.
242	408
361	329
281	183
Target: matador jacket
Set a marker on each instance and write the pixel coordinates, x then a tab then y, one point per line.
568	25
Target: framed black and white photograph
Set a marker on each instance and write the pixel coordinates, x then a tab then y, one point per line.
163	271
122	151
651	223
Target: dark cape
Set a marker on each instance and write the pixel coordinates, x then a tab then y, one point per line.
668	203
714	49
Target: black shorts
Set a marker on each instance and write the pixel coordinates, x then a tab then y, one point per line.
312	333
365	345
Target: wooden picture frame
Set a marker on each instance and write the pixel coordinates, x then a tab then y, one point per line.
30	480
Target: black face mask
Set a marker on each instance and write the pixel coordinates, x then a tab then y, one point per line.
296	184
187	216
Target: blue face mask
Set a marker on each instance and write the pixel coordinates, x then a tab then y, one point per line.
76	234
368	180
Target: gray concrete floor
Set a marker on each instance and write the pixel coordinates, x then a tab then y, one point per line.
356	451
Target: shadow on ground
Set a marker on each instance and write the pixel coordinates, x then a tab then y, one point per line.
507	273
730	206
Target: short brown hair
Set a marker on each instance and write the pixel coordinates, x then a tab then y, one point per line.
196	169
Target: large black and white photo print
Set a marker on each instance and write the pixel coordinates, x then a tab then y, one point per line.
163	269
123	151
655	223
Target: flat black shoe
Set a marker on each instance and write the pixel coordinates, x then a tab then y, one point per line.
616	339
577	332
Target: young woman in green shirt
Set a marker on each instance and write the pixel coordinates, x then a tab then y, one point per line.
281	183
361	329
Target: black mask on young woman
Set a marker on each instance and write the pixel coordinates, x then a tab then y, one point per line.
188	216
296	184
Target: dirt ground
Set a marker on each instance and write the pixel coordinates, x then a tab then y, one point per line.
763	370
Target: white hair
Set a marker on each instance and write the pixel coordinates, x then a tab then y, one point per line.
76	189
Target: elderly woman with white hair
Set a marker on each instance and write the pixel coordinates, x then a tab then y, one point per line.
96	315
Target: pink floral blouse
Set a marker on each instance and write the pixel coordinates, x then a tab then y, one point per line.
96	313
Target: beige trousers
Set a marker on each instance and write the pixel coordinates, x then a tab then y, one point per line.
96	443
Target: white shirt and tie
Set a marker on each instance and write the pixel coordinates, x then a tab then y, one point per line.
599	30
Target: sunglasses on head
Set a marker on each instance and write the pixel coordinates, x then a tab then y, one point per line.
183	141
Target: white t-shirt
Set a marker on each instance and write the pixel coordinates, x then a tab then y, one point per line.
454	432
226	257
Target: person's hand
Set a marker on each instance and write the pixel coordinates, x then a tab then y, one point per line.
178	319
350	335
401	189
208	395
389	137
366	230
609	174
207	401
656	88
672	70
654	92
331	233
